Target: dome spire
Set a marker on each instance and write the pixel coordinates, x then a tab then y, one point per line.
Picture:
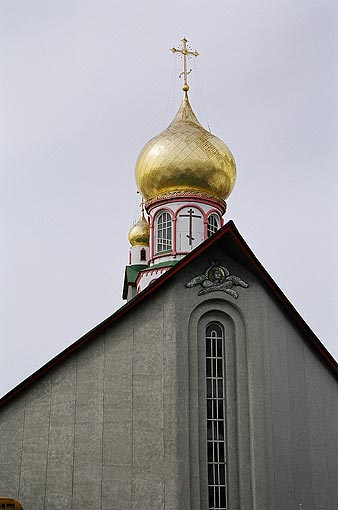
185	113
184	175
186	52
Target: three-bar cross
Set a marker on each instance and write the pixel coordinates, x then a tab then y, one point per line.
191	215
186	53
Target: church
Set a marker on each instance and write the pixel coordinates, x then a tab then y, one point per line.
205	391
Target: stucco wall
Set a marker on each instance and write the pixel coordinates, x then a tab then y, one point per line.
292	398
115	426
99	430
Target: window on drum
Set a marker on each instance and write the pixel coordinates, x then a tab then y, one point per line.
163	232
213	224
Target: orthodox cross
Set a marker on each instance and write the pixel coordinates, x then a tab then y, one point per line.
191	215
186	52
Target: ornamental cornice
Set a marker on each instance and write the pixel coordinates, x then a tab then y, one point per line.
177	196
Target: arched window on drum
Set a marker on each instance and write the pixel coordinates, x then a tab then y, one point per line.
163	232
213	224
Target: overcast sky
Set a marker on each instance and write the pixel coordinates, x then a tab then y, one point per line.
85	84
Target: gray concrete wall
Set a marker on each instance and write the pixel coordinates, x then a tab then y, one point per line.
118	425
99	431
290	439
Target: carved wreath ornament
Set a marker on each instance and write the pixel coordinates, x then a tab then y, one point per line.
217	277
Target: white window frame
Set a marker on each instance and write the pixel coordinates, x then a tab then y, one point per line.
213	224
163	232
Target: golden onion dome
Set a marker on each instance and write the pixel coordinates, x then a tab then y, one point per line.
139	233
185	158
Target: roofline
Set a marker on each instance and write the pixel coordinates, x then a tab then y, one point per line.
229	227
319	346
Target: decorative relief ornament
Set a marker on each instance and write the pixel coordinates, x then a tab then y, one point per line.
217	277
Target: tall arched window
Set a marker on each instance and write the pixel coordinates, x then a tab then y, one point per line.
215	395
213	224
163	232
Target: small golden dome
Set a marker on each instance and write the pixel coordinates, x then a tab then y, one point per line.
139	233
185	157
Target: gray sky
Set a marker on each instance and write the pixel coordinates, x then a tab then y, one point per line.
84	85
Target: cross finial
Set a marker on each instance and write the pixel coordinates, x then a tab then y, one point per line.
142	202
186	52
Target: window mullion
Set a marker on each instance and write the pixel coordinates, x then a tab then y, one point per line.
215	420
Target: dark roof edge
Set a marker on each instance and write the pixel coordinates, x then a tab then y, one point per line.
272	285
230	228
107	322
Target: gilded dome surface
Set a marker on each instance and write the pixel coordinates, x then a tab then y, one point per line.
185	157
139	233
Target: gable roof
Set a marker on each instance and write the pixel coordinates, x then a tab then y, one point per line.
229	240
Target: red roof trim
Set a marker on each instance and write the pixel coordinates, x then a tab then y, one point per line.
228	228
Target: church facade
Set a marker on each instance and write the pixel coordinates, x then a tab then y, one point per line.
207	390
